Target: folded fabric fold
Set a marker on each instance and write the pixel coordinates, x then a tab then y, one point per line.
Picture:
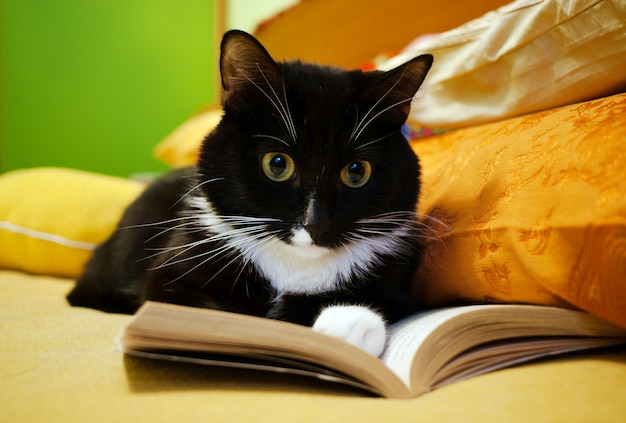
527	56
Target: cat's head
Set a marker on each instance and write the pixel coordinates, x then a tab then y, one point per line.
315	154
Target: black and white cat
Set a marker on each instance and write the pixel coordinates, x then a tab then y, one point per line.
301	206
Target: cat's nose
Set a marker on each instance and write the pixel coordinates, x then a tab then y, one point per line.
317	229
316	220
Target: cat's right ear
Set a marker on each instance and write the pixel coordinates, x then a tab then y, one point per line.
244	62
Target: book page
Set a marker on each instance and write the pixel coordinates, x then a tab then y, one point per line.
421	347
500	354
405	338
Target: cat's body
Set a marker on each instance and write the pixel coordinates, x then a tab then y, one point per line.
301	207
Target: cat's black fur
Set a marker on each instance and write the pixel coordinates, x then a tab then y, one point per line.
171	247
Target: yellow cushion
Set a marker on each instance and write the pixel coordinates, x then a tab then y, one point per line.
534	208
52	218
180	148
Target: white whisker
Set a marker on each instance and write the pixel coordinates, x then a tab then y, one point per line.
293	127
386	224
243	266
443	227
209	255
273	138
161	222
183	249
257	240
284	113
166	230
194	224
373	118
367	144
356	133
356	123
212	253
208	181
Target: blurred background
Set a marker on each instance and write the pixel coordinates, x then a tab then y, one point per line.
96	84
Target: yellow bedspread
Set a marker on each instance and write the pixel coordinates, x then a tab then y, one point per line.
59	363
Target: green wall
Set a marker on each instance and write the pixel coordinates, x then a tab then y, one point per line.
96	84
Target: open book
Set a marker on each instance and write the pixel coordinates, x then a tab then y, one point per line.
424	351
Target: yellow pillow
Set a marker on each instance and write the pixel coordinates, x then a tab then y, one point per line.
52	218
534	210
180	148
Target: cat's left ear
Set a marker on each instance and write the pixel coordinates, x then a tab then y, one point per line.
395	89
245	63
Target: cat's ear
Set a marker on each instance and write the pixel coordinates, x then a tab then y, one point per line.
245	63
392	92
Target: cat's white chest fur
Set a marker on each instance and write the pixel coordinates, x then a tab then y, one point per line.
354	324
302	267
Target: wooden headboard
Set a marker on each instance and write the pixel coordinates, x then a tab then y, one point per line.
349	33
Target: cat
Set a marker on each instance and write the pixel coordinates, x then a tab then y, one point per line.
301	206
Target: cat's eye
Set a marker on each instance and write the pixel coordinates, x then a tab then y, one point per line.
356	174
278	167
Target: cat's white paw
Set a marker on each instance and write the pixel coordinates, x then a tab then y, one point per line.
356	325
